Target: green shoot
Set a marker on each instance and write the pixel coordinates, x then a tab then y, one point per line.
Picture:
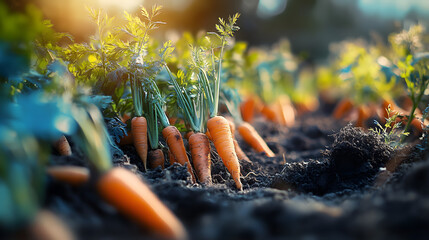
415	72
211	88
390	131
190	101
93	137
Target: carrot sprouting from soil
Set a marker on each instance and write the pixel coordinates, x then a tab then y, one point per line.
342	108
139	132
120	187
200	151
224	144
250	135
175	142
156	158
132	197
72	175
63	146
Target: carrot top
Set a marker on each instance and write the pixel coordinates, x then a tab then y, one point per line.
209	76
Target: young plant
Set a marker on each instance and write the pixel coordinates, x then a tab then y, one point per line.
120	187
390	132
193	107
415	71
209	77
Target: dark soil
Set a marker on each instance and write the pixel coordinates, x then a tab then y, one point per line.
327	181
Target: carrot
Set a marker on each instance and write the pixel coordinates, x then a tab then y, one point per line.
252	137
209	135
72	175
156	158
249	107
139	132
224	144
269	113
189	134
240	153
171	158
48	226
200	151
63	146
125	117
363	115
175	142
286	111
342	108
129	195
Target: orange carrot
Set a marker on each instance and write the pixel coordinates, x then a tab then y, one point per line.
342	108
171	157
249	107
125	118
156	158
175	142
252	137
363	115
188	134
129	195
47	226
287	111
224	144
269	113
72	175
209	135
63	146
200	151
139	132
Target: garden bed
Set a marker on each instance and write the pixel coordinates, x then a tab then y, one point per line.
300	193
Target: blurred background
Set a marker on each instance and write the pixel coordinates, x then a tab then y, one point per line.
309	25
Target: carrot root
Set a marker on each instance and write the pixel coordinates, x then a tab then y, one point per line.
139	132
48	226
171	158
252	138
175	142
222	138
63	146
200	151
156	158
132	197
72	175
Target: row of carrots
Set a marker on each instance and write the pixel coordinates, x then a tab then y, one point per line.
360	114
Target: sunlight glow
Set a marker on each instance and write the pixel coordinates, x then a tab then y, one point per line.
124	4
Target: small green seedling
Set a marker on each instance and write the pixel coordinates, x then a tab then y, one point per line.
415	72
391	132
